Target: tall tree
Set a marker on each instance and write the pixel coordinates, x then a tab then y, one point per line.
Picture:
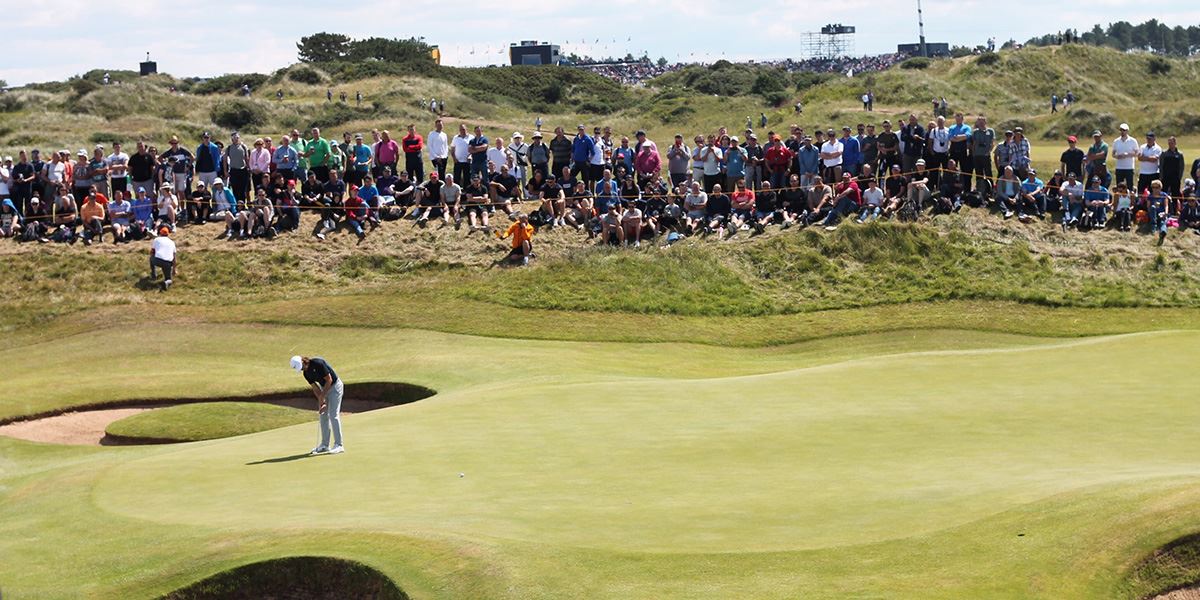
323	47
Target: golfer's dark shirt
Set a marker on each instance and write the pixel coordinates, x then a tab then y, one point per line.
316	371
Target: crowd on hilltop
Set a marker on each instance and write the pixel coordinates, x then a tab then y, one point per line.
612	188
638	72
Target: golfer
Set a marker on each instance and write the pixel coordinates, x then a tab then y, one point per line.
328	389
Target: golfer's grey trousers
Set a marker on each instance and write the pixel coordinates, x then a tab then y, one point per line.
332	415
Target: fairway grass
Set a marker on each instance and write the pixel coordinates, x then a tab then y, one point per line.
904	464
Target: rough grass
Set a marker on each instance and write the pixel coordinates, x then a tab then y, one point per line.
206	421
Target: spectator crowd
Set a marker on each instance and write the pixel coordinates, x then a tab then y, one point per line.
639	72
614	189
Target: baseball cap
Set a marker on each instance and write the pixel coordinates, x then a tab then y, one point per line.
433	176
537	135
732	138
218	181
1018	130
81	152
141	189
1071	138
297	364
200	184
581	126
921	161
164	230
1008	132
1096	133
1124	127
358	136
752	137
1150	134
7	159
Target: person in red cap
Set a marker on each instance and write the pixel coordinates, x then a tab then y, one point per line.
356	212
162	256
1072	159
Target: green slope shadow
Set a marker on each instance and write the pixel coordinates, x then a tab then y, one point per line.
1173	566
309	577
359	397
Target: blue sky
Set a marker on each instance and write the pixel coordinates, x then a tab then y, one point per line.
54	39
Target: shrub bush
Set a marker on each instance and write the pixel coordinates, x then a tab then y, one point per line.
305	75
988	59
1158	66
916	63
231	82
106	137
238	114
10	102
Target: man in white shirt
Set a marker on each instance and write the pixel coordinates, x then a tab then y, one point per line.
596	161
1148	156
439	148
162	256
1071	197
939	148
831	157
1124	151
461	147
118	169
519	151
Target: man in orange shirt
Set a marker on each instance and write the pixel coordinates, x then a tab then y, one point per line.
92	215
522	239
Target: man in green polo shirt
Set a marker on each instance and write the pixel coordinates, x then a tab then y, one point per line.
317	152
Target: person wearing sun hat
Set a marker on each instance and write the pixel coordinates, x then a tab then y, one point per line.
327	387
162	256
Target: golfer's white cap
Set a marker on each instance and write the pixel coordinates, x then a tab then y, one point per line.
297	363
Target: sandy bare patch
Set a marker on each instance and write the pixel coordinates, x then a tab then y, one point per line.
1192	593
86	427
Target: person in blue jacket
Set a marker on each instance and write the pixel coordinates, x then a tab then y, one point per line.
581	153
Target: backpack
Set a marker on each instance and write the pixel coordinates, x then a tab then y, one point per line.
538	218
64	235
391	213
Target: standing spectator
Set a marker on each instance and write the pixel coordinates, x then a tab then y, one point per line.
755	162
983	138
539	156
1021	155
851	152
1148	157
316	152
710	157
913	136
560	149
360	157
939	148
889	147
678	156
22	177
413	144
647	163
460	150
260	160
1072	158
98	168
180	161
622	156
81	179
439	148
582	148
600	156
1125	151
141	168
118	169
960	147
387	153
237	162
478	147
208	160
286	160
868	145
1171	165
778	157
735	165
1097	157
831	158
519	151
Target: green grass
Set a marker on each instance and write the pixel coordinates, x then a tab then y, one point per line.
892	465
206	421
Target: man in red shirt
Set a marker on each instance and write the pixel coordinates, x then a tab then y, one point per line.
413	143
846	198
778	158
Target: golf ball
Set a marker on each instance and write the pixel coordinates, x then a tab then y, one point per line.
462	474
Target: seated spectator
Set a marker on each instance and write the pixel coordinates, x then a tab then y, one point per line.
1007	193
356	213
820	201
504	189
578	206
717	211
521	233
370	195
631	223
1158	204
553	201
451	198
767	209
200	204
695	207
1097	203
743	203
895	190
1189	215
10	219
949	197
92	215
1033	198
168	206
1071	200
475	205
36	225
430	200
846	199
1122	206
287	215
611	231
872	201
261	214
120	213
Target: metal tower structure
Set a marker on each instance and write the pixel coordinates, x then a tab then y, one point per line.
924	50
830	42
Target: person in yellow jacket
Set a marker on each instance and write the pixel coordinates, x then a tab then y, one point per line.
522	239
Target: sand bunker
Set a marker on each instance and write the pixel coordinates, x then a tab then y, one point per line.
85	426
308	577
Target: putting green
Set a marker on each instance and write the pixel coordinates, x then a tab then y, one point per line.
909	464
851	453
